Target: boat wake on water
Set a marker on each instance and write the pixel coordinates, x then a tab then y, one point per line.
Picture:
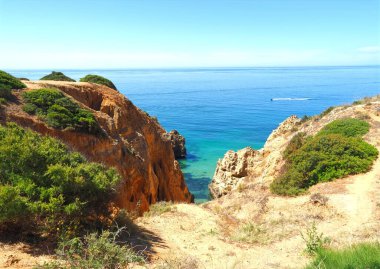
290	99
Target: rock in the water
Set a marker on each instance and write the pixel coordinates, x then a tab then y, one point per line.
178	143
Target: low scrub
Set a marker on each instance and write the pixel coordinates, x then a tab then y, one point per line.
336	151
57	76
9	83
347	127
360	256
251	233
46	188
160	208
59	111
94	252
98	80
327	111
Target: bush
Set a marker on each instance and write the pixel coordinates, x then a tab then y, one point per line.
59	111
3	101
98	80
94	252
336	151
295	143
45	187
327	111
360	256
57	76
9	83
347	127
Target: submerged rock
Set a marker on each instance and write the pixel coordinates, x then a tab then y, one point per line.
178	143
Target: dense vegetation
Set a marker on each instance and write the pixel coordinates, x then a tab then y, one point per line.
361	256
45	187
59	111
98	80
9	83
57	76
336	151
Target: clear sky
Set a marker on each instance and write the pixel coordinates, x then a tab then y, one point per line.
187	33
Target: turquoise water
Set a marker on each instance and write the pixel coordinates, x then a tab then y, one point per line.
218	109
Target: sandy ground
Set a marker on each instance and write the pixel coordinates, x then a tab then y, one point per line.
207	236
197	235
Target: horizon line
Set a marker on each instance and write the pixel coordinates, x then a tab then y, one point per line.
189	67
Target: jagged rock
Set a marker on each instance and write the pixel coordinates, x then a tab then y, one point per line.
266	164
230	171
178	143
133	143
259	165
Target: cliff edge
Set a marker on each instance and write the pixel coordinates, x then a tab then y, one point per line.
132	142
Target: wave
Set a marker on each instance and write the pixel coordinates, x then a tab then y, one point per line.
291	99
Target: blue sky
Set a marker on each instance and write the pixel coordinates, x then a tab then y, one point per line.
188	33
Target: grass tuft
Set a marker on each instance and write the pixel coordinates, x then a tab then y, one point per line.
360	256
160	208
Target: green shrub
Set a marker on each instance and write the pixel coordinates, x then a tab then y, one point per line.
57	76
327	111
360	256
295	143
305	118
59	111
336	151
44	186
98	80
94	252
9	83
3	101
347	127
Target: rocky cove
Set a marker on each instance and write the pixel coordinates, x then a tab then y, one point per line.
246	222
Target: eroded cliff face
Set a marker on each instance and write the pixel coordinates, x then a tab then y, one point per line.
260	167
134	143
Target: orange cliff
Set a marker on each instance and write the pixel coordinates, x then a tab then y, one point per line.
135	144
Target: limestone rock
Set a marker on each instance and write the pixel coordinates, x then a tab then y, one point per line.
178	143
258	166
230	171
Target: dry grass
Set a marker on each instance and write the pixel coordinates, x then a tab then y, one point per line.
160	208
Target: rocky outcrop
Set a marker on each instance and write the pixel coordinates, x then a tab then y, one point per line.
133	143
262	165
178	143
230	171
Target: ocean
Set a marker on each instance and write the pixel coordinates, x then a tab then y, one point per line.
218	109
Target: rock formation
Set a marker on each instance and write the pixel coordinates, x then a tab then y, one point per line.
263	164
178	143
133	143
249	166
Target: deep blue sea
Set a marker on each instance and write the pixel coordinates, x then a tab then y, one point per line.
218	109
